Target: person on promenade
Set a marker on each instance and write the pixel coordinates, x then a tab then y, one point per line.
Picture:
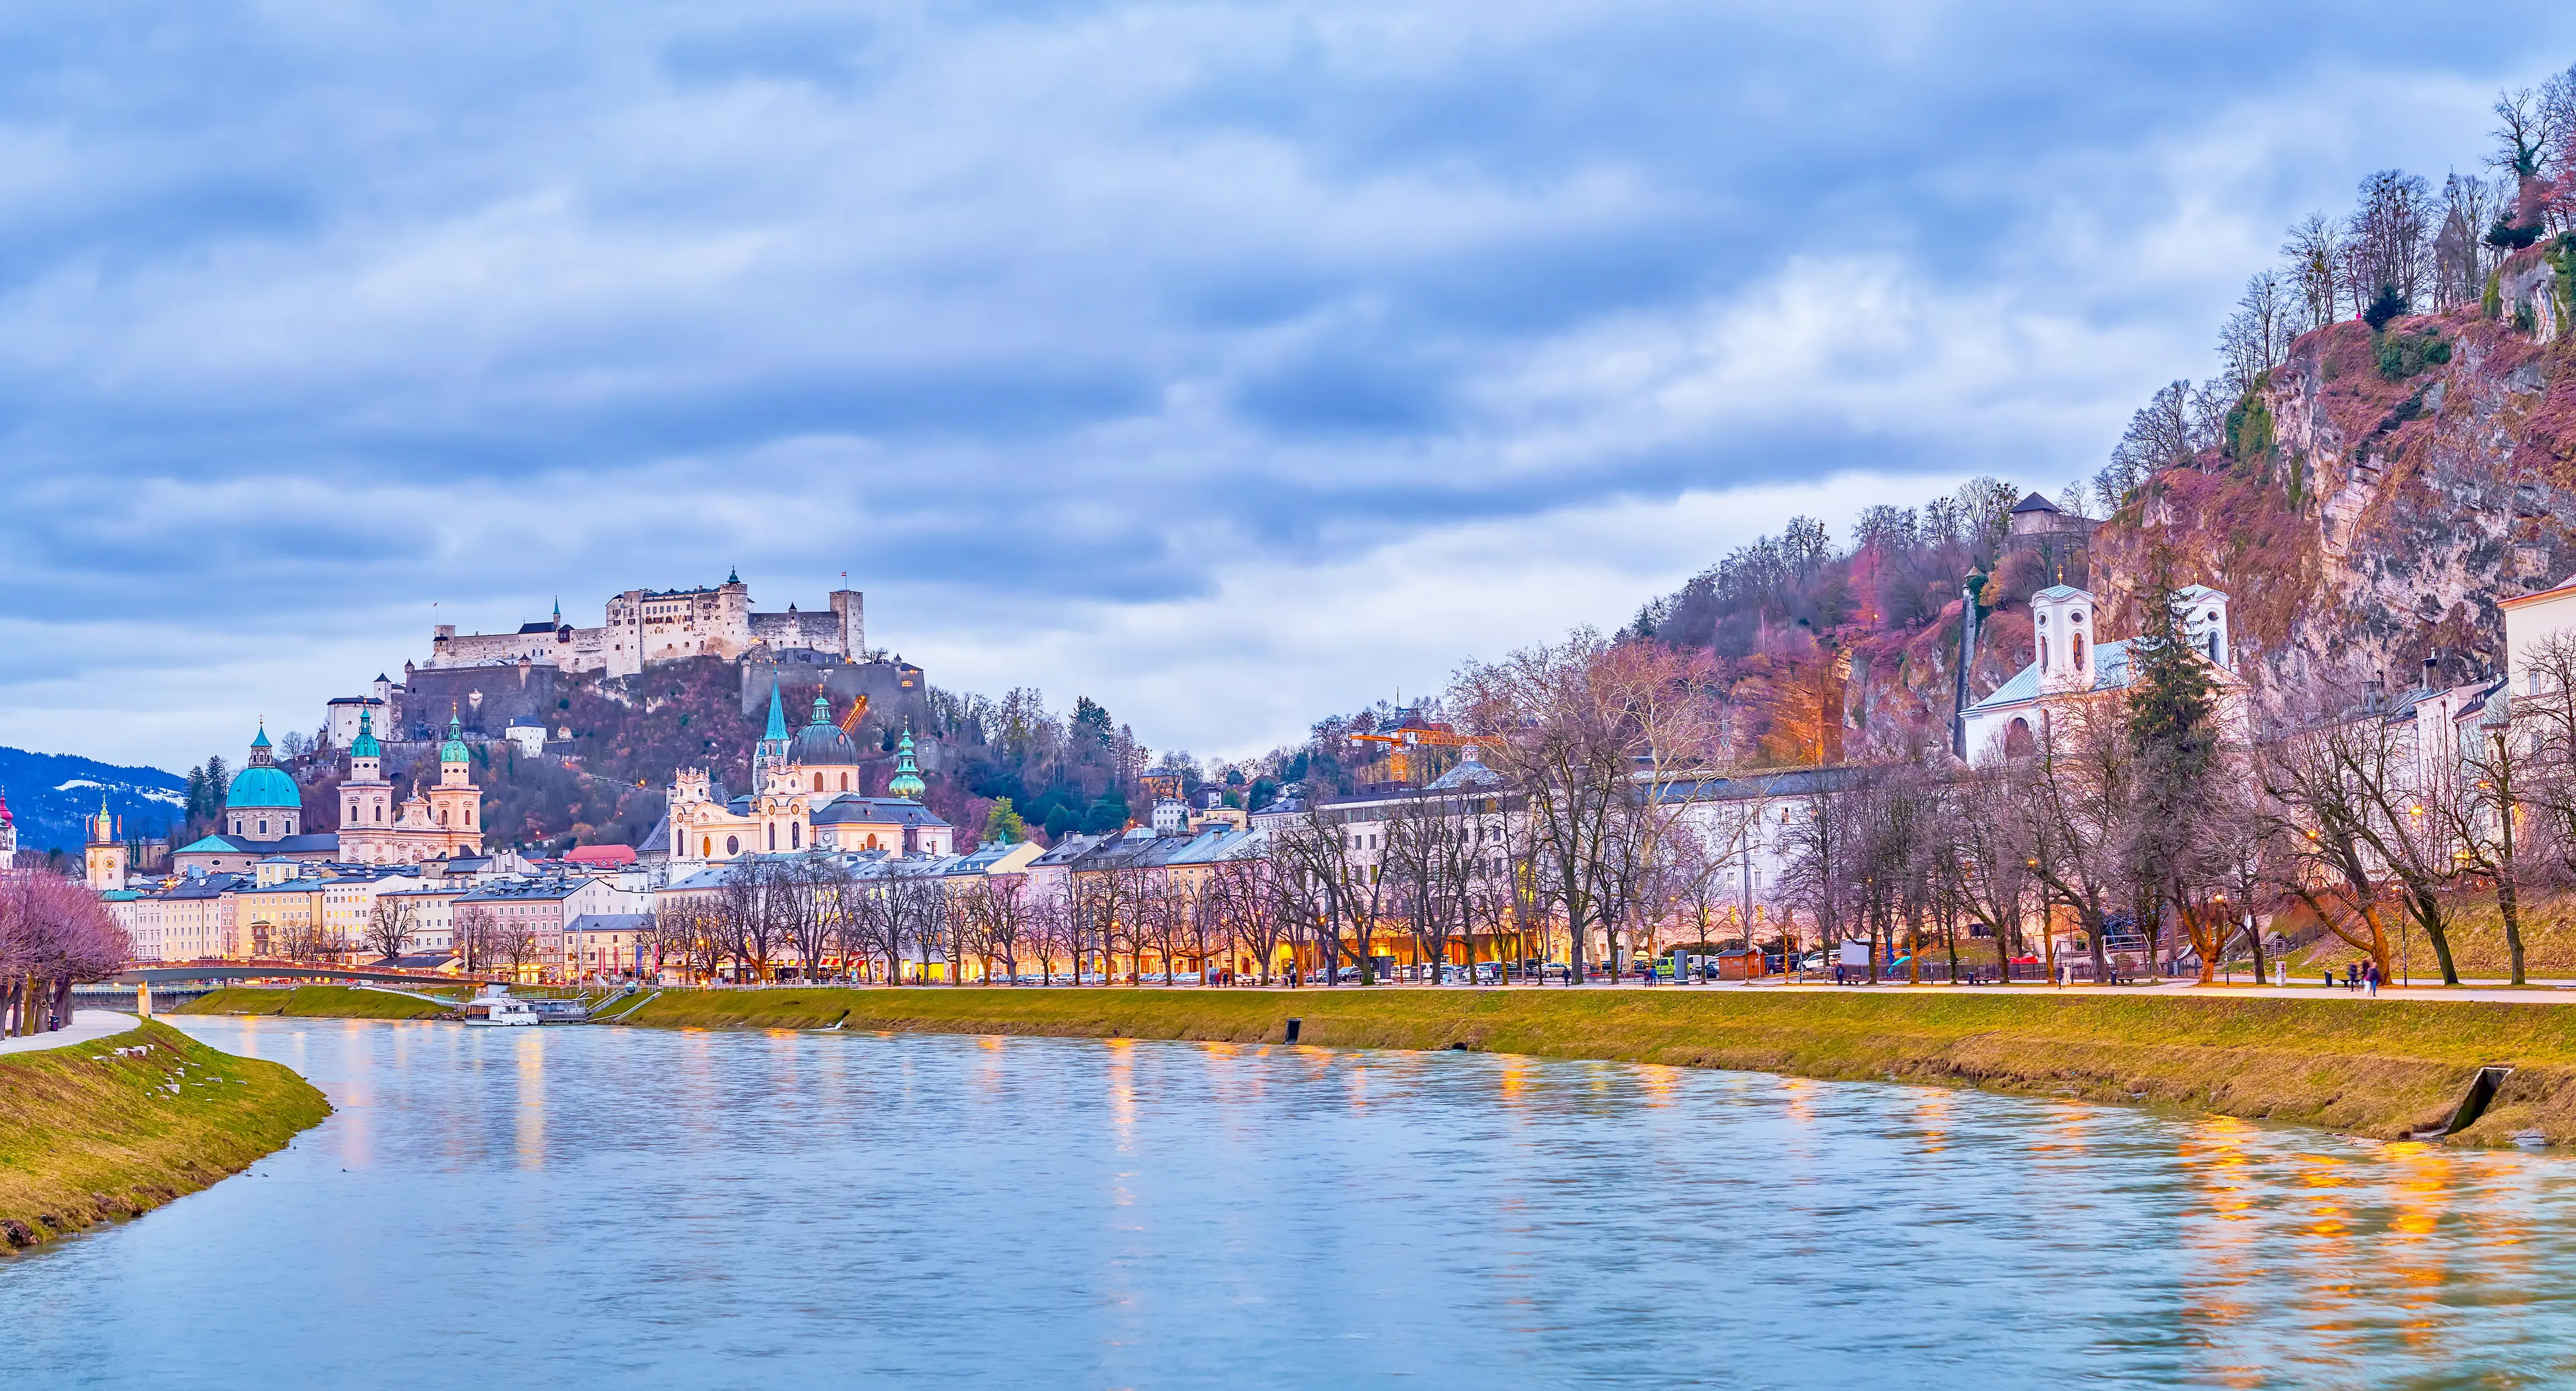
2371	974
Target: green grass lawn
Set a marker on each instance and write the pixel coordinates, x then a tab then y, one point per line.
316	1002
123	1124
2383	1067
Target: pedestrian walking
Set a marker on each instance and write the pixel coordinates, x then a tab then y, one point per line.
2372	975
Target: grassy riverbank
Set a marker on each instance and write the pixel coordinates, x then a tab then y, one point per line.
316	1002
2377	1068
123	1124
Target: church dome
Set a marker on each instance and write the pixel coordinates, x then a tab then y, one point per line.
261	787
822	741
365	745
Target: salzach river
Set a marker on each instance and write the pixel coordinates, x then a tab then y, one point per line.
577	1207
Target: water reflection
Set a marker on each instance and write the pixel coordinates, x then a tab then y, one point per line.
712	1210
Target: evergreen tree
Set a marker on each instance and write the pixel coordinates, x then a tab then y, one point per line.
1003	823
2173	698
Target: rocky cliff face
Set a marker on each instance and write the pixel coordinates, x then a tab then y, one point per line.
2410	479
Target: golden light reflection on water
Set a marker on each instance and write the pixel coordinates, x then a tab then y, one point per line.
530	1052
1122	1095
1932	1114
2308	1259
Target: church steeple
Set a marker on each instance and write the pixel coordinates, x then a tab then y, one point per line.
906	782
773	748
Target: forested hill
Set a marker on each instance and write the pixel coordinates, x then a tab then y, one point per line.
49	793
2387	450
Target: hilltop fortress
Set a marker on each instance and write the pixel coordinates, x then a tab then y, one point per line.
643	626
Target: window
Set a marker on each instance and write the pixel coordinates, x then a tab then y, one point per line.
2079	651
818	782
733	845
795	836
845	782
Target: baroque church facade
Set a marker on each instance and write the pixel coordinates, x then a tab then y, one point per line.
2074	667
809	795
263	815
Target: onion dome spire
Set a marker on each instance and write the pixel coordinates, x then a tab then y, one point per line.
454	750
365	745
906	782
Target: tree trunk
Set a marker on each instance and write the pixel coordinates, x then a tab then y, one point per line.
2428	915
2509	904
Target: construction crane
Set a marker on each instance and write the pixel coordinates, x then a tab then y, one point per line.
1410	732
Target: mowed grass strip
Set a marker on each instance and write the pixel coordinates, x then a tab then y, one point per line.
315	1002
2384	1068
121	1125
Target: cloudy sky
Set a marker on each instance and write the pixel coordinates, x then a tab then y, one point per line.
1228	364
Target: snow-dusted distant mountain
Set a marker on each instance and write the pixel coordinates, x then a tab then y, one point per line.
49	793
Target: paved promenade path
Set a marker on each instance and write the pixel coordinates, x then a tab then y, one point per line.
87	1024
2537	993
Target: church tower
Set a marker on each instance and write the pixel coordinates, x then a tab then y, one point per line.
453	804
8	832
772	751
2062	621
366	798
106	850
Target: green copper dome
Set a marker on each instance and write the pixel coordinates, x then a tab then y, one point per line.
261	786
906	782
365	745
454	750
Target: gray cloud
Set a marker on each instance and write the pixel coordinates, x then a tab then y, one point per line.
1109	346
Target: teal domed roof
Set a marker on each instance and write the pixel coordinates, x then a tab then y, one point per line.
454	750
906	782
262	784
365	745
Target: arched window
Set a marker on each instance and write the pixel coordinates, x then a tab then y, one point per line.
2079	651
818	782
795	835
845	782
469	814
773	835
442	816
2018	742
2213	647
872	842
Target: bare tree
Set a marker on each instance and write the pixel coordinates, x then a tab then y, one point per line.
391	924
1590	736
2389	235
473	925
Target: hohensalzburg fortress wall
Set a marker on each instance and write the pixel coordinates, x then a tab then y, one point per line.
646	625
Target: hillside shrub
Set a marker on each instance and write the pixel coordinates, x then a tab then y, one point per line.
2384	306
2492	302
2249	428
2402	355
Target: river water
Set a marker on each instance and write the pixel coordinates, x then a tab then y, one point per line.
697	1210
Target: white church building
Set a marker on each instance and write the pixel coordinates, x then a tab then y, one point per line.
2075	664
